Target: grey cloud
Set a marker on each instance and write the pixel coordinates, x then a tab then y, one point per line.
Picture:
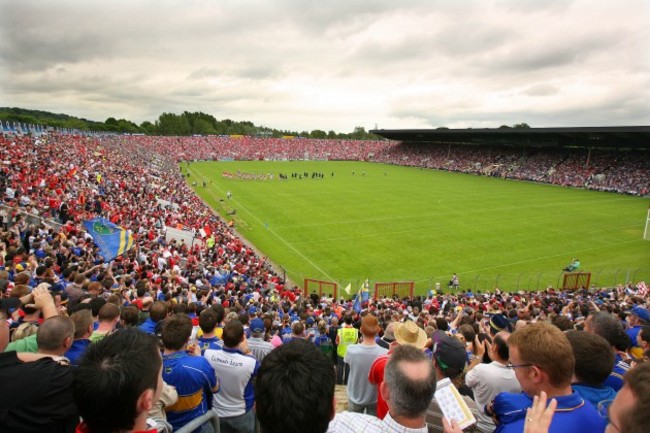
541	89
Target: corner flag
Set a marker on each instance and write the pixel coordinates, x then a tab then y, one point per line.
348	288
112	240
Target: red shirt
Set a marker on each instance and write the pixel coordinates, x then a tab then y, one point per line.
376	377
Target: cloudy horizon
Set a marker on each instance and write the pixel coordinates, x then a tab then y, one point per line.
301	65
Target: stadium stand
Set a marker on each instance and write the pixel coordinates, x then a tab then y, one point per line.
52	183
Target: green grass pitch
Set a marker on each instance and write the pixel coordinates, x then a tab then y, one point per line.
410	224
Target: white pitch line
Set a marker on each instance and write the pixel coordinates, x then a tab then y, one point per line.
273	232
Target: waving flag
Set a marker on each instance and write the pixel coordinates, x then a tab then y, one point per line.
112	240
365	291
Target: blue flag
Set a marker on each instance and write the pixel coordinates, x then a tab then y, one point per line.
112	240
365	291
356	306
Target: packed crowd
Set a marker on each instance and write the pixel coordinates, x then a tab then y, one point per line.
603	170
227	333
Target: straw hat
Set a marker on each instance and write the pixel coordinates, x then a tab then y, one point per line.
408	333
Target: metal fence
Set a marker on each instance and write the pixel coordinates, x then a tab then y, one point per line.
10	214
600	277
527	281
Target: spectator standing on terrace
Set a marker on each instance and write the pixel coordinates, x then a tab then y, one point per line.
608	327
237	370
190	373
406	334
643	340
118	383
488	380
362	395
208	323
594	362
83	329
345	336
637	318
543	360
449	359
157	315
409	385
36	387
294	390
256	344
108	316
630	410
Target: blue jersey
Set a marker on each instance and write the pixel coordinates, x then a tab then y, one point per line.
194	378
573	414
213	343
77	349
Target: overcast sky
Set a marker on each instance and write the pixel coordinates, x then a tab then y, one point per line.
304	65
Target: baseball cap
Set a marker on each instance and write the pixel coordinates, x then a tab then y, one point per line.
641	313
257	326
410	334
450	355
309	321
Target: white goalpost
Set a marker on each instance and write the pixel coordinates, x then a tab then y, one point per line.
646	233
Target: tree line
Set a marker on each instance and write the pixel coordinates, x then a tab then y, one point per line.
186	123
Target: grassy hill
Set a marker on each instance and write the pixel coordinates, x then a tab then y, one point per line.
407	224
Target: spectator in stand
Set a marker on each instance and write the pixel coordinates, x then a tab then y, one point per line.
294	390
594	363
36	387
208	323
332	332
488	380
108	316
153	324
345	336
388	338
643	340
406	334
237	369
362	395
543	360
129	316
450	360
256	344
608	327
118	382
637	318
190	373
410	383
630	410
83	329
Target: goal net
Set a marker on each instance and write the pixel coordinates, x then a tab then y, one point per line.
321	287
401	289
576	280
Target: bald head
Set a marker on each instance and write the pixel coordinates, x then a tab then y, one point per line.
409	382
52	334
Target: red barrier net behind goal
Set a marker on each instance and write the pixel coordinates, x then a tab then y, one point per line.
402	289
576	280
321	287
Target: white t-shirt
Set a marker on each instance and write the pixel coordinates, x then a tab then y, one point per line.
486	381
